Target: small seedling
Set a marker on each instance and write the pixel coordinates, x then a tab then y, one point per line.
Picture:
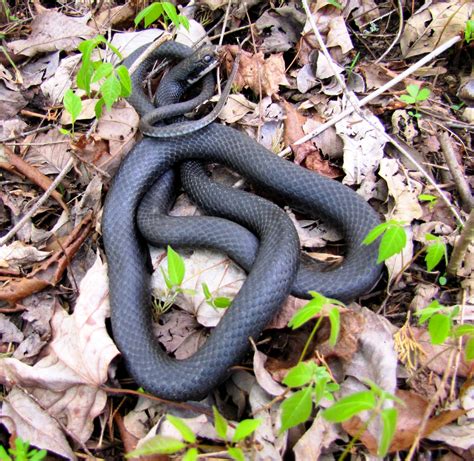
72	104
414	96
431	199
393	240
435	251
165	10
218	302
21	452
469	31
440	320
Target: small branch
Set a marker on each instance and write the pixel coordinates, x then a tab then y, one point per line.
40	202
460	248
399	32
27	133
455	170
429	57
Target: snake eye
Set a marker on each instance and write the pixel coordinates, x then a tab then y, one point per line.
207	58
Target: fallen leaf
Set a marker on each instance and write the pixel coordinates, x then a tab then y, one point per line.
56	86
51	31
262	76
432	26
264	378
236	106
9	332
23	415
316	440
17	254
67	379
456	435
11	102
363	146
49	152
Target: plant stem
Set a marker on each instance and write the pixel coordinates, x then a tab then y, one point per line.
461	246
310	338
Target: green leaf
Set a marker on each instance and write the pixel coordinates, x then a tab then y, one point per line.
221	302
349	406
4	456
83	77
36	455
73	104
393	241
423	94
307	312
413	90
439	328
110	91
434	254
375	232
98	107
176	267
245	428
335	321
183	428
184	21
428	311
64	131
191	455
170	11
220	423
296	409
125	81
236	453
206	291
389	420
151	13
407	99
469	349
158	445
103	70
300	374
464	329
335	3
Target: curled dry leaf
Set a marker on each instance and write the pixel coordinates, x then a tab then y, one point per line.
434	25
262	76
67	379
17	254
264	378
410	416
51	31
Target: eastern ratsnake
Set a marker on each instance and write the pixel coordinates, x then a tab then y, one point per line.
273	271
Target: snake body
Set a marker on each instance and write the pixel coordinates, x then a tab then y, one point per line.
275	264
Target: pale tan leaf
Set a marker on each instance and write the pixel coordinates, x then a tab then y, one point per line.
17	254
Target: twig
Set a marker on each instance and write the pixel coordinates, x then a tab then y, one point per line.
40	202
430	406
445	46
399	32
455	170
459	349
26	133
460	248
153	46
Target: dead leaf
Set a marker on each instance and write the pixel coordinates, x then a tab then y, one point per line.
9	332
262	76
67	379
264	378
21	414
363	145
432	26
56	86
410	416
17	254
51	31
11	102
49	152
316	439
236	106
456	435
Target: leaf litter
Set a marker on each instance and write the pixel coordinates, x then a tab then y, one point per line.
58	351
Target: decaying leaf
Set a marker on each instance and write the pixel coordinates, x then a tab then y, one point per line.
434	25
51	31
262	76
67	379
17	254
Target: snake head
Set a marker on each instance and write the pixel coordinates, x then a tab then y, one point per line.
202	62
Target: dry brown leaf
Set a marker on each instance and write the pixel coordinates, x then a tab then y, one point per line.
262	76
264	378
49	152
23	415
51	31
433	26
409	419
11	102
67	379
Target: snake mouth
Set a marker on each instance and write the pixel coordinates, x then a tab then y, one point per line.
204	60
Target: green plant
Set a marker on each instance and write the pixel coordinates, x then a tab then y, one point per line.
394	239
469	31
315	381
414	96
8	14
431	199
373	400
72	104
335	3
440	320
114	81
218	302
468	331
190	445
21	452
166	10
435	251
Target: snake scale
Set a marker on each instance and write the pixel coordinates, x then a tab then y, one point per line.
272	259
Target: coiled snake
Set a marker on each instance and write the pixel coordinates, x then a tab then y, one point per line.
272	273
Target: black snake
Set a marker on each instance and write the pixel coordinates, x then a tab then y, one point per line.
274	266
